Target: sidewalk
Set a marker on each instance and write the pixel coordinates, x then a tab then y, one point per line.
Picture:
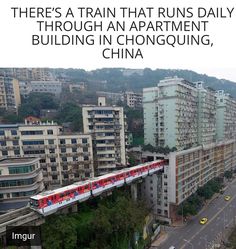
161	237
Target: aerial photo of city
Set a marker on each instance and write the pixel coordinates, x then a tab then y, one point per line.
117	158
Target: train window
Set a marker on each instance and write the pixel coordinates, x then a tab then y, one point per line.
34	203
61	195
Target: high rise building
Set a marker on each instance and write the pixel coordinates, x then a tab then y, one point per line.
9	93
206	114
108	128
64	158
172	110
226	116
186	172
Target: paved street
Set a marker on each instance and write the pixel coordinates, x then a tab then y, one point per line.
221	216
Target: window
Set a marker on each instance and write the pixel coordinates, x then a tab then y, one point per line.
64	159
51	151
21	170
84	140
50	141
54	177
74	149
85	149
63	150
87	174
53	160
86	158
35	142
17	152
29	133
4	153
53	168
19	182
62	141
13	132
3	143
50	132
2	132
15	142
73	141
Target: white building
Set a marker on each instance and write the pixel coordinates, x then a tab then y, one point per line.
108	128
170	114
133	100
226	116
20	178
54	87
64	158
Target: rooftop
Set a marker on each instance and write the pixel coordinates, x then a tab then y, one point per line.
17	160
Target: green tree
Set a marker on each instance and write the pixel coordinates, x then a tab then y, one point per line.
36	102
70	112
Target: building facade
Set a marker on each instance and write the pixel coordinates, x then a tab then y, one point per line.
226	116
172	108
181	114
53	87
20	178
186	171
108	128
9	93
64	158
133	100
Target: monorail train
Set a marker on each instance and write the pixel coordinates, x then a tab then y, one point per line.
50	201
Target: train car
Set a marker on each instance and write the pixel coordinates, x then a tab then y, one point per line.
50	201
155	166
145	169
133	173
106	182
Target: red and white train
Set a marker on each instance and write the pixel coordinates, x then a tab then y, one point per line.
50	201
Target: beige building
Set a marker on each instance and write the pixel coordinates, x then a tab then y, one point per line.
108	128
20	178
9	93
186	172
64	158
27	74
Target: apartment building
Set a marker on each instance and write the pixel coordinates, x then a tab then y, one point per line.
170	114
108	128
53	87
25	88
111	96
64	158
20	178
186	172
133	100
41	74
181	114
226	116
27	74
9	93
206	114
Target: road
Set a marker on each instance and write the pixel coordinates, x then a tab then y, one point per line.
221	216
